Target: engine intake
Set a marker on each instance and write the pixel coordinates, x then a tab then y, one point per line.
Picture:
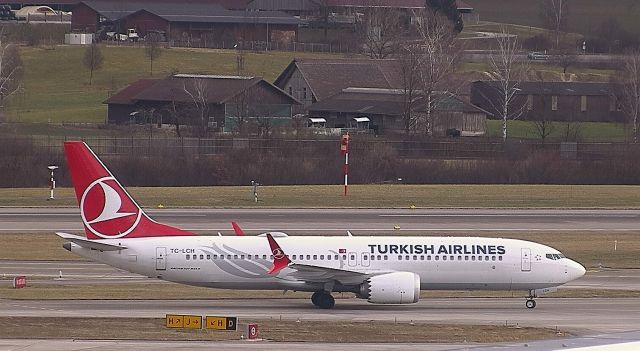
392	288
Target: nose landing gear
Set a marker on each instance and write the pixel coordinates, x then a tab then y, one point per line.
323	300
531	303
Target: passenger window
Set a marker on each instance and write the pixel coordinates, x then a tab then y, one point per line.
386	257
271	257
473	258
315	257
329	257
437	258
188	257
353	257
264	257
379	258
421	257
308	257
336	257
242	257
493	258
451	258
466	258
228	257
235	257
195	257
208	257
444	258
479	258
202	257
399	258
294	257
322	257
344	257
215	257
407	257
459	258
415	258
373	258
499	258
429	258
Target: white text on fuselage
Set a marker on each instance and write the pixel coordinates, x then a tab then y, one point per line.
438	249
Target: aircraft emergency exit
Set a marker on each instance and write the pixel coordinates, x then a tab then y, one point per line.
382	270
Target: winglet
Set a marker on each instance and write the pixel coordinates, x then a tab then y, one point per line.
280	259
237	229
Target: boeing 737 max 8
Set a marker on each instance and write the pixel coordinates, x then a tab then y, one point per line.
384	270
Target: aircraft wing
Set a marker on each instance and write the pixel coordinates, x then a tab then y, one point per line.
312	273
318	274
90	244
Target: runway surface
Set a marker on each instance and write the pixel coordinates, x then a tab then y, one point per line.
85	272
335	221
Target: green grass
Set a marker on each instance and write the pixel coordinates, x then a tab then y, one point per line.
366	196
588	131
56	84
584	15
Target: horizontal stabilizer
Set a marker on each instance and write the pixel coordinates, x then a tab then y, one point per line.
90	244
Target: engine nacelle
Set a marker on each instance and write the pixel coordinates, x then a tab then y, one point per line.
392	288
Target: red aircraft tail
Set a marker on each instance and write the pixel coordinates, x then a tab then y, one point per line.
107	210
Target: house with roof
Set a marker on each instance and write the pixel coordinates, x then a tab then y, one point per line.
553	101
225	101
386	111
194	21
312	80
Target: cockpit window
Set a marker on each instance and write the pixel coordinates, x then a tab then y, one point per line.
554	256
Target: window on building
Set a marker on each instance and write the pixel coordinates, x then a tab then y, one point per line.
291	91
554	103
583	103
304	93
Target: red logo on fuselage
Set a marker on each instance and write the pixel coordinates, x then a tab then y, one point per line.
107	211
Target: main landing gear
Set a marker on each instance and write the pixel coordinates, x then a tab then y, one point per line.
323	300
531	303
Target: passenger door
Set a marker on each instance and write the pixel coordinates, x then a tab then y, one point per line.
161	258
526	260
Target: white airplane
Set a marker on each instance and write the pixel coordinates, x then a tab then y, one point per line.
382	270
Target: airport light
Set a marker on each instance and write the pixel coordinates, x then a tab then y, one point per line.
52	181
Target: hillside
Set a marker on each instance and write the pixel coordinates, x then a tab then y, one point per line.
56	84
584	15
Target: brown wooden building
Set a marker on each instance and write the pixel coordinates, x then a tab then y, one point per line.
183	20
227	98
553	101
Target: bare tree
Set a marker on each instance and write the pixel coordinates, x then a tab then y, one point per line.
11	70
543	124
507	73
380	31
629	89
565	58
409	61
440	58
555	14
93	59
197	89
179	113
152	48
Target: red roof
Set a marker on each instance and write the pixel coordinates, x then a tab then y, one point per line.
123	97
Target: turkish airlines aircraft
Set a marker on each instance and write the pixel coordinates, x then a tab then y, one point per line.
382	270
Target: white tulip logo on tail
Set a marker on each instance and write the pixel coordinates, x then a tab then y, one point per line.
107	211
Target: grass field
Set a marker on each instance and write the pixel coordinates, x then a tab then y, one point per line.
592	249
588	131
584	15
56	84
366	196
272	330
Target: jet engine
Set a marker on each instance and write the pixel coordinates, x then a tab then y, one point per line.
392	288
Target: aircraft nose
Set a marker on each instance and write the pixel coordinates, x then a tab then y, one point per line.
575	270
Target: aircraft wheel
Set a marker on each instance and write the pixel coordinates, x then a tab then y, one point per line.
530	304
316	297
326	301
